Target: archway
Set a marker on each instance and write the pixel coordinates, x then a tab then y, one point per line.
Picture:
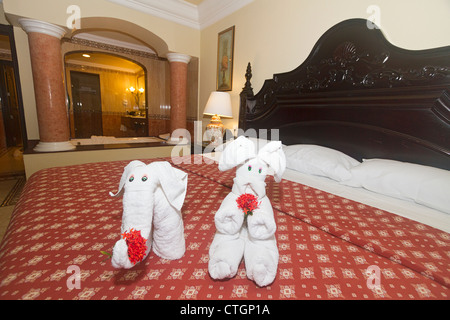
119	38
55	135
146	37
106	95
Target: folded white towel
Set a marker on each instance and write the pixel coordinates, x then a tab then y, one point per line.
261	260
120	259
227	248
253	238
153	196
137	210
168	232
261	224
225	255
261	252
229	218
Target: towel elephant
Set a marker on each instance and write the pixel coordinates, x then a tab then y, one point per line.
251	236
153	195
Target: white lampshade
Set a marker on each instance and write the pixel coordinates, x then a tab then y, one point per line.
219	103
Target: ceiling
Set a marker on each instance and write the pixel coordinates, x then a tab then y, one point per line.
101	60
195	2
197	14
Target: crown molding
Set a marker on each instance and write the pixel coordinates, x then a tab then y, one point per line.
31	25
113	42
177	11
185	13
212	11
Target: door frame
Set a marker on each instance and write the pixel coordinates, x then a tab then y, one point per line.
10	108
9	31
97	76
106	51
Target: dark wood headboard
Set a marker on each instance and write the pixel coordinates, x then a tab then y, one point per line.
359	94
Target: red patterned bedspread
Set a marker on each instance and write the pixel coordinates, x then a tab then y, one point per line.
328	245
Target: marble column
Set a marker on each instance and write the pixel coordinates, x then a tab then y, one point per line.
178	90
47	66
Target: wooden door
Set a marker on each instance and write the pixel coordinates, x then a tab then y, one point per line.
10	105
87	104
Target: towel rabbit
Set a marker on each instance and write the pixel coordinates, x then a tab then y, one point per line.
153	196
253	239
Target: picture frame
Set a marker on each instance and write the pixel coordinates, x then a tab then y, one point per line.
225	59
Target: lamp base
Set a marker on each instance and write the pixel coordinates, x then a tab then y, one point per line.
216	123
214	135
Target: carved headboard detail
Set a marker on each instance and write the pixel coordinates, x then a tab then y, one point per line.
358	93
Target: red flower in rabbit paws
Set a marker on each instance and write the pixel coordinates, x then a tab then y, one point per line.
136	245
247	202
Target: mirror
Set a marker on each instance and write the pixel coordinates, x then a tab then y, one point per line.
107	95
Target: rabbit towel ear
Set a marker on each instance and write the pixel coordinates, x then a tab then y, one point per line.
126	172
236	153
173	182
273	155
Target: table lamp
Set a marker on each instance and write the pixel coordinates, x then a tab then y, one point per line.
218	105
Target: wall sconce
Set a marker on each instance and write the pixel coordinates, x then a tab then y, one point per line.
136	94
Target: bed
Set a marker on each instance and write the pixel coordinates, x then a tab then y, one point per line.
356	94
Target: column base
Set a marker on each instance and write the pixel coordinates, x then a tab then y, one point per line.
181	141
54	146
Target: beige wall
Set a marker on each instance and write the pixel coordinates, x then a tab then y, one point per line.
177	38
277	36
29	103
274	35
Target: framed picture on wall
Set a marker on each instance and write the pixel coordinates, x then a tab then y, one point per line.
225	52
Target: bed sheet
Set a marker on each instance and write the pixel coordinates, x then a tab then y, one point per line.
330	247
408	209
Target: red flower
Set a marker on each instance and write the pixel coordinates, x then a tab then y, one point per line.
247	202
136	245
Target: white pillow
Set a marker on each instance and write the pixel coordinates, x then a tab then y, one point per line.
425	185
319	161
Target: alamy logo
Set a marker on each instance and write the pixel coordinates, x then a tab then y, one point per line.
373	277
73	21
74	281
374	20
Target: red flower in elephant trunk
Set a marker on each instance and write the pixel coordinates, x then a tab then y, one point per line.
136	245
247	202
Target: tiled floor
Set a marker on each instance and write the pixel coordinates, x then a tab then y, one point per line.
11	164
5	215
11	161
6	185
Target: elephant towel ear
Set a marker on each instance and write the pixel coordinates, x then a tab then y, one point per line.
126	172
236	153
173	182
273	155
